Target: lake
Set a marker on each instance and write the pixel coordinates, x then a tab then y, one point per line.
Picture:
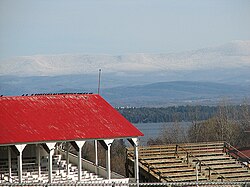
153	130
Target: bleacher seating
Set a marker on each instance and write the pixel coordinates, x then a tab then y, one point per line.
182	162
30	171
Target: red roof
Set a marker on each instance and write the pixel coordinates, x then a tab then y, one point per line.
43	118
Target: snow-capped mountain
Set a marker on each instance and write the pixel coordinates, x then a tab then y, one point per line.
234	55
193	77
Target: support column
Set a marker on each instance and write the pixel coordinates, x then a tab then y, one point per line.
79	145
9	162
50	147
79	164
20	167
67	157
38	157
135	142
96	157
20	148
136	163
197	173
50	166
108	163
136	159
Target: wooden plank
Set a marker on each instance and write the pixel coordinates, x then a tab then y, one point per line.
189	179
162	161
173	165
235	175
226	166
153	157
219	162
179	151
177	175
210	158
231	171
175	170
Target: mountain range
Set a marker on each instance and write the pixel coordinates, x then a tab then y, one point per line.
176	93
198	76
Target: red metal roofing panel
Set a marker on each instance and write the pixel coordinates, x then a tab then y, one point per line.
43	118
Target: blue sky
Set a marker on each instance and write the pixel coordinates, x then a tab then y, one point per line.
29	27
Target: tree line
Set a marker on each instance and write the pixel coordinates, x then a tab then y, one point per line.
178	113
229	123
168	114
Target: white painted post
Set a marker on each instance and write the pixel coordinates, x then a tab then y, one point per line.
38	159
79	164
20	148
108	168
108	163
51	147
67	158
96	157
50	166
136	164
79	144
136	159
9	163
20	167
197	173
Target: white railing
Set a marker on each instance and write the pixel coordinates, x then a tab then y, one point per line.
90	166
114	184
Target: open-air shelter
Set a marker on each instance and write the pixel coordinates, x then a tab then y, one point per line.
46	119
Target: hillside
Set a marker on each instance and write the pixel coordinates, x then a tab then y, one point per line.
199	76
156	94
178	92
232	55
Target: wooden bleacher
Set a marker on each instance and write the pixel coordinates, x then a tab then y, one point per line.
178	163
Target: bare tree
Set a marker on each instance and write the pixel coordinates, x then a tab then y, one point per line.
230	125
173	133
244	121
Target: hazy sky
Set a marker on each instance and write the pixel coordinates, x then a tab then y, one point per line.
29	27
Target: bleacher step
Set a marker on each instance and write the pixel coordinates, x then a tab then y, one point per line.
171	164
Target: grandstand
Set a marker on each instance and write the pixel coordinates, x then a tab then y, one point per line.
190	162
34	127
59	171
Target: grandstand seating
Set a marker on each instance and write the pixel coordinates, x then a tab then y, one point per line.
183	162
59	173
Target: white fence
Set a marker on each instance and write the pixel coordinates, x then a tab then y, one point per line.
114	184
101	171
